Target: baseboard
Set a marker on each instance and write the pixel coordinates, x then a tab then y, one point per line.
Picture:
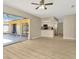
69	38
36	37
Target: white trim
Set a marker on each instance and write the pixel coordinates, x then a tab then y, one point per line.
70	38
36	37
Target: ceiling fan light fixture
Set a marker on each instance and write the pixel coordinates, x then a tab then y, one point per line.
41	7
42	4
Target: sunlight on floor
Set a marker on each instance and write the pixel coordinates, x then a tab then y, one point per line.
10	39
6	41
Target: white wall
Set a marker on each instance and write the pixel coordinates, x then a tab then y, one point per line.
35	24
69	27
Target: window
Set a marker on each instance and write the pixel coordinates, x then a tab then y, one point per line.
5	28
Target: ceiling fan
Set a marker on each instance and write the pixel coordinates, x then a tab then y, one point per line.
42	4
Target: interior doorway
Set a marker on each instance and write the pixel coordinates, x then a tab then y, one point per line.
60	29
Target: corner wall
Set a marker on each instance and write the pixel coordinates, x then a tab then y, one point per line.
69	27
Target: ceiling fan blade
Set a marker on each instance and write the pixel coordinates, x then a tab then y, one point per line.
35	3
37	7
49	4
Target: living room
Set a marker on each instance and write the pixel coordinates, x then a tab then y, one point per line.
51	28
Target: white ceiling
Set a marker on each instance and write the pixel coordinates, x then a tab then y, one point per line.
59	8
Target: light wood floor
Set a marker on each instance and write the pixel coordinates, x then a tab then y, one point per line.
41	48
